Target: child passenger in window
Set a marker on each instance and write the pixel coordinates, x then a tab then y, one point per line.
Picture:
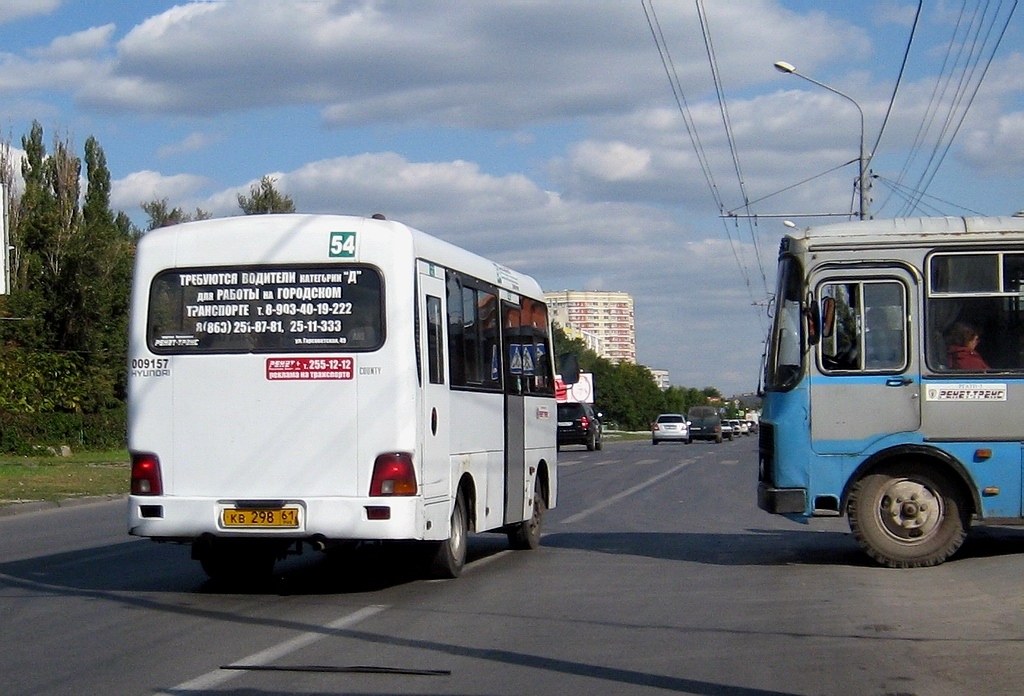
963	344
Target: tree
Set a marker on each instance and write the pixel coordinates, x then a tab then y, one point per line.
70	292
161	216
265	198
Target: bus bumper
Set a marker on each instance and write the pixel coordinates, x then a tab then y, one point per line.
184	519
781	501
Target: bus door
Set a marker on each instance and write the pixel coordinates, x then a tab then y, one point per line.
434	436
866	370
519	359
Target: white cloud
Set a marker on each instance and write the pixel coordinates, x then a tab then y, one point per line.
141	187
81	44
193	142
11	10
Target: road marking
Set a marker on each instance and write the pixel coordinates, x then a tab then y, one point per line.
219	676
629	491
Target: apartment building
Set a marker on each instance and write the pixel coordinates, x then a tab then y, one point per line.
605	318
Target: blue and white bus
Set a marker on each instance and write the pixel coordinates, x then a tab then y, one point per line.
322	380
894	382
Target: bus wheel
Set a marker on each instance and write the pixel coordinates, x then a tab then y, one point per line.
450	555
525	536
908	516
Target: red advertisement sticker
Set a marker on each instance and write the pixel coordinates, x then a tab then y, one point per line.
310	368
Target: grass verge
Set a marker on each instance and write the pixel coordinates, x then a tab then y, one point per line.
52	478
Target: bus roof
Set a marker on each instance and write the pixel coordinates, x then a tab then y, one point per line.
248	238
908	231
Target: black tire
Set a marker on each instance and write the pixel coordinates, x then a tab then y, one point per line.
718	440
908	515
689	440
449	556
600	442
591	442
525	536
653	441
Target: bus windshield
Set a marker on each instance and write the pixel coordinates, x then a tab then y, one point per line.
266	309
785	357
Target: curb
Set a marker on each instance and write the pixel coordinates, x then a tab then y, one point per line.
40	505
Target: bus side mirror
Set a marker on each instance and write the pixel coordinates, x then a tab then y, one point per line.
569	368
813	319
828	317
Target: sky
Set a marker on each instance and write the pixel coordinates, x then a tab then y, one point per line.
548	135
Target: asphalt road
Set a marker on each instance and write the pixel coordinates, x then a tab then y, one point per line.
657	574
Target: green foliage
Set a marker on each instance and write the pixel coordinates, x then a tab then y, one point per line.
26	433
265	198
162	216
38	382
63	342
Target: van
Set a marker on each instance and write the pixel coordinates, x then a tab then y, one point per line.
705	423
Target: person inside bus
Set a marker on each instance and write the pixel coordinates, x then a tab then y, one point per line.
963	344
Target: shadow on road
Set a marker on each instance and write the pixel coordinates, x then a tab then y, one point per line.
768	547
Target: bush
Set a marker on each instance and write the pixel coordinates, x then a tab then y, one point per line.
24	433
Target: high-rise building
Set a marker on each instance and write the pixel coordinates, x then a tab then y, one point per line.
606	316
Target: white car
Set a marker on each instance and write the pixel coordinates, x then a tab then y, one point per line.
740	427
670	426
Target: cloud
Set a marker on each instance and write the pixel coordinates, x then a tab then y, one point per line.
194	142
142	187
439	62
78	45
11	10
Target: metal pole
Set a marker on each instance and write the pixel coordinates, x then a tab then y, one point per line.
862	184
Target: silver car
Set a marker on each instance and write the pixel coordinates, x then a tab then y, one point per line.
670	426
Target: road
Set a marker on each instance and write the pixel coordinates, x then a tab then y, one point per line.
657	574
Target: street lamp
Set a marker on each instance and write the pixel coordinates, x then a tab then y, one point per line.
862	185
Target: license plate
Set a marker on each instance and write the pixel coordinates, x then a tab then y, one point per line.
278	517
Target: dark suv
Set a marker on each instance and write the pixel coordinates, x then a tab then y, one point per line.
579	424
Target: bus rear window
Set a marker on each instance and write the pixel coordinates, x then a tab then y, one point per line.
266	309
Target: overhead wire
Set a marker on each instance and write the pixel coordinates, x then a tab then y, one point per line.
727	125
691	129
970	100
956	86
684	110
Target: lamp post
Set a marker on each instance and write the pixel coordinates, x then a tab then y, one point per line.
862	185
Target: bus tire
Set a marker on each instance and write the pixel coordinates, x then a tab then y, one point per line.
449	556
908	515
525	536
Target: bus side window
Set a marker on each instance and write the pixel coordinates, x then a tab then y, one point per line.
840	349
435	348
870	327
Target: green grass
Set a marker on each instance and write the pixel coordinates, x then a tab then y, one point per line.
52	478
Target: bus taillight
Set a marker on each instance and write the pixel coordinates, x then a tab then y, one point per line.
146	479
393	474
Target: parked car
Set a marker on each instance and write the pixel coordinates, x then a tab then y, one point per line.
670	427
727	431
579	424
739	427
705	424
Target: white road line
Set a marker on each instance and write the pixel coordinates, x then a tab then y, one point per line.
219	676
629	491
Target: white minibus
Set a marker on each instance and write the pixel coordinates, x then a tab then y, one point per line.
323	380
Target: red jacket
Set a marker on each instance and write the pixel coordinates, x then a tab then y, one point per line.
963	358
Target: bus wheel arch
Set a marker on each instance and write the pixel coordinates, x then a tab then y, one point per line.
525	535
910	508
448	557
